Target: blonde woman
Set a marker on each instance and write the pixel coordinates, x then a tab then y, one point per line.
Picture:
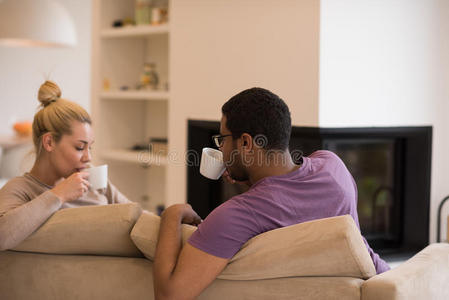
63	137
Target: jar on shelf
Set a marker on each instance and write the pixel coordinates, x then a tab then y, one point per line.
149	79
159	12
143	12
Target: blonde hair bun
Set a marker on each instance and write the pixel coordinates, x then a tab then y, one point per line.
48	92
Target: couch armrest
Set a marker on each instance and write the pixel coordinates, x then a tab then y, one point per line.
424	276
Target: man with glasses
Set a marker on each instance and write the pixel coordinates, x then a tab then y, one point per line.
254	138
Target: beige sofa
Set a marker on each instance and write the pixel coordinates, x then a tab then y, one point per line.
105	252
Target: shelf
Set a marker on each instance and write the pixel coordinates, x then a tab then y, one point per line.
136	157
133	31
11	141
135	95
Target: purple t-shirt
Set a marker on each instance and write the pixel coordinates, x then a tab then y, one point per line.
322	187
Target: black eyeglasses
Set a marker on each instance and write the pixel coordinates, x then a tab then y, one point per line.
218	139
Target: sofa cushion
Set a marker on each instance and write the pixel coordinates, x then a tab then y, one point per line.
98	230
325	247
145	233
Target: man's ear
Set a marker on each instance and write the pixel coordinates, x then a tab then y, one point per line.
48	142
246	141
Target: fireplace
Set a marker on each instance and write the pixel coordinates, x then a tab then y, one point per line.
391	167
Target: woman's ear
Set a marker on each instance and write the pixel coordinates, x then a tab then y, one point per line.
48	142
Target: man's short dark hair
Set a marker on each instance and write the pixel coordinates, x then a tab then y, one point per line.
260	113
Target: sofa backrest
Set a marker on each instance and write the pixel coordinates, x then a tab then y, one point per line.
325	247
96	230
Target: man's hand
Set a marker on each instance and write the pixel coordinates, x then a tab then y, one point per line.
181	274
226	176
185	212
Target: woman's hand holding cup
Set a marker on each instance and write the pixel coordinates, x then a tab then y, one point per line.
72	188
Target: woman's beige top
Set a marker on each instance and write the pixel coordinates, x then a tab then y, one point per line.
26	203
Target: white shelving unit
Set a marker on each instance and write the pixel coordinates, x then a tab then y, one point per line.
124	116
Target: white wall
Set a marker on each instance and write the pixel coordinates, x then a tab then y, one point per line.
221	47
22	70
442	170
382	64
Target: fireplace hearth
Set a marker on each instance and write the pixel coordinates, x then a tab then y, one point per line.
391	166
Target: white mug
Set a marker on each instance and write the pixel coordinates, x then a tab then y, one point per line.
98	177
212	165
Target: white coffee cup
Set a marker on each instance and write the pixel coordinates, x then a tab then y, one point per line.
98	177
212	165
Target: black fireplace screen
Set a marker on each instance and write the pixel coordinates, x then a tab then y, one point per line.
374	164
